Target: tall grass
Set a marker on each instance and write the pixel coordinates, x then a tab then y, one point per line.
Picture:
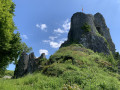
35	81
90	71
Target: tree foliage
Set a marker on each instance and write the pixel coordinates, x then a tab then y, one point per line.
10	42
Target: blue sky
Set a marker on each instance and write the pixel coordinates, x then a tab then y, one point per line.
44	24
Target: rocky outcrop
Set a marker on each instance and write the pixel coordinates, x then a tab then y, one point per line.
103	30
42	56
90	31
22	66
27	64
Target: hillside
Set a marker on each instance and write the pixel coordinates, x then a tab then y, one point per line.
70	67
86	61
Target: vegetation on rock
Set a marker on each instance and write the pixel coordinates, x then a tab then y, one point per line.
86	28
70	68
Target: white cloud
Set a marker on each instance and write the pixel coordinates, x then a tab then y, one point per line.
37	25
56	44
66	25
42	26
59	30
52	38
24	36
46	41
43	51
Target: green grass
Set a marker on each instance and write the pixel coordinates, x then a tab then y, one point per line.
70	68
36	81
7	73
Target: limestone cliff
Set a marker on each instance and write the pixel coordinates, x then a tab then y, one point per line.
91	31
86	29
28	64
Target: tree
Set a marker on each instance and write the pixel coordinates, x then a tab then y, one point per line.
10	43
25	48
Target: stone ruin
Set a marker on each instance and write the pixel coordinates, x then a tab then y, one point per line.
28	64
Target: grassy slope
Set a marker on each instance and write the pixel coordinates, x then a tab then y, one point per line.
7	73
71	67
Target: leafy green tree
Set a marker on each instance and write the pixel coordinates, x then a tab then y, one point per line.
10	42
25	48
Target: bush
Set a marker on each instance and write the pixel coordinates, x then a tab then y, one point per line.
7	73
86	28
54	70
71	87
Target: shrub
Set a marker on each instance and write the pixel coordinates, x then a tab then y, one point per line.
71	87
53	70
86	28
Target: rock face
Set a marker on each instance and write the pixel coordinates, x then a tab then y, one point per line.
86	29
42	56
97	37
27	64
